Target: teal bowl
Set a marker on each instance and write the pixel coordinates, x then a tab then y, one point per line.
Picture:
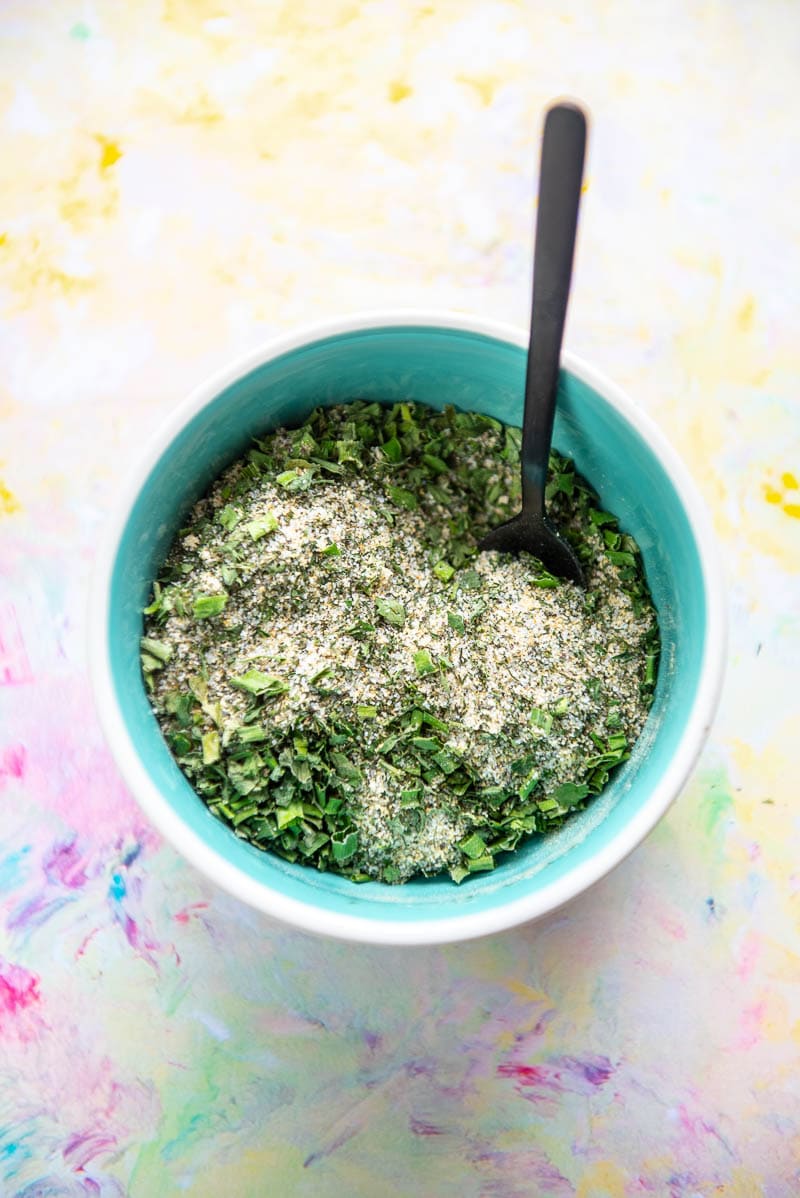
434	359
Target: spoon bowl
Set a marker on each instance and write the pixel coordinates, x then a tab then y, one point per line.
529	533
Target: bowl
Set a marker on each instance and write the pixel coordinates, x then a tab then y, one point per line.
436	359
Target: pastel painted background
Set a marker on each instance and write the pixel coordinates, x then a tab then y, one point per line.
180	179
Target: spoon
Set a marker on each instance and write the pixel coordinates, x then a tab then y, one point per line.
560	176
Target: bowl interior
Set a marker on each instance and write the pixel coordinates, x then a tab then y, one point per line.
435	366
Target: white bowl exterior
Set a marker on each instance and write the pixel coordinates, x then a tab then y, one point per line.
410	932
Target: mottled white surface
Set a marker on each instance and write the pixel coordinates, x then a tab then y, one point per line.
180	180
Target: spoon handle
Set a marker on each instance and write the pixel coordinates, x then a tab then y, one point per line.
560	177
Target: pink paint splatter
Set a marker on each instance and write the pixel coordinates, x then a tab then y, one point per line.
189	912
595	1070
529	1076
751	950
15	669
750	1026
674	927
12	763
502	1170
83	1147
421	1127
84	944
696	1129
18	988
565	1074
64	865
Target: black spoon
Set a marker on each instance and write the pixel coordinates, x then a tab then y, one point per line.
560	176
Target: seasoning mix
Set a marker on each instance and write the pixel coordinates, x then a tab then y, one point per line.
348	683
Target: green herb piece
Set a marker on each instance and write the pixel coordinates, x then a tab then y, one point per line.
244	814
257	683
528	786
600	518
392	611
403	498
365	712
344	847
455	621
473	846
345	768
251	734
229	517
360	629
541	720
331	551
262	526
294	480
444	571
495	796
393	450
205	606
561	707
157	649
476	864
210	744
470	580
544	579
458	873
434	464
290	814
425	744
317	680
155	606
650	669
569	794
423	662
180	744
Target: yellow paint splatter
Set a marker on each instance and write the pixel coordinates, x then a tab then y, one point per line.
483	85
529	993
109	151
778	497
200	112
398	91
746	314
8	502
603	1180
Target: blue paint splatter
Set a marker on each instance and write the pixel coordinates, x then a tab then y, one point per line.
12	871
117	890
131	855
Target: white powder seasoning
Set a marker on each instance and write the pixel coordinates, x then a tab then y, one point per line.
467	704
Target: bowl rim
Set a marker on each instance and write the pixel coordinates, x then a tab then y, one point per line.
356	928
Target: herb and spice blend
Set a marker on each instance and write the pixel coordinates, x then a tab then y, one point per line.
348	683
